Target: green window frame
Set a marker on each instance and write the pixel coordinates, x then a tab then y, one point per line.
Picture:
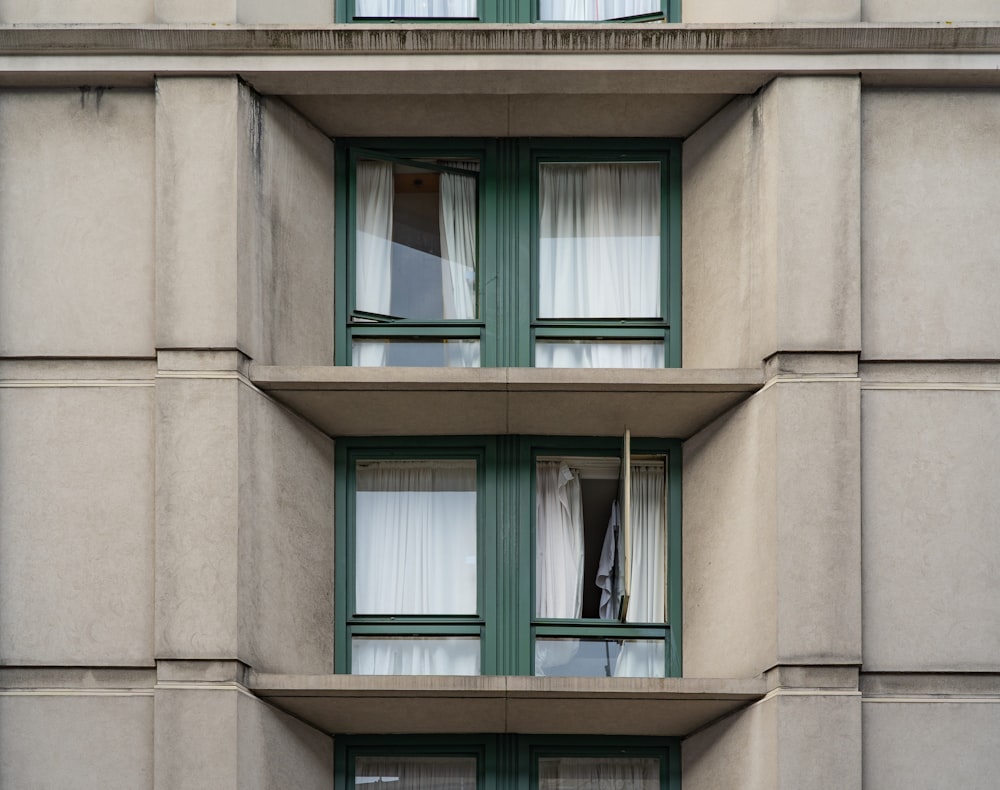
489	11
507	762
505	620
508	324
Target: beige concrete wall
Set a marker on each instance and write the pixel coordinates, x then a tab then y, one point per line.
245	224
931	239
928	744
785	742
244	523
771	542
287	227
771	225
76	507
723	11
929	11
76	740
931	548
76	223
219	737
286	484
77	11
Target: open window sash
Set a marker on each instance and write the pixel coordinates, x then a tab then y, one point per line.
625	511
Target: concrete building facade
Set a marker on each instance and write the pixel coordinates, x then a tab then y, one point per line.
172	398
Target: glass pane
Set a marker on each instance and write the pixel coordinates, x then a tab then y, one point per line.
415	537
416	240
594	10
597	657
599	240
418	9
415	353
598	354
417	773
598	773
415	655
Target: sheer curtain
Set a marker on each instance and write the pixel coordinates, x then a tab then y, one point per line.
599	773
593	10
415	553
416	8
599	250
373	266
417	773
648	552
558	556
458	223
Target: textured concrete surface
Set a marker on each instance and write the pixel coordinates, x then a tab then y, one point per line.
929	744
929	11
722	11
221	738
76	525
76	12
771	225
785	742
77	741
77	170
286	483
772	533
930	241
930	543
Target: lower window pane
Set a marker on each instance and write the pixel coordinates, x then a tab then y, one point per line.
598	658
594	10
416	9
415	655
598	773
416	353
416	773
598	354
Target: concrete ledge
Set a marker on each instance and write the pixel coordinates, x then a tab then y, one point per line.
500	38
625	706
345	401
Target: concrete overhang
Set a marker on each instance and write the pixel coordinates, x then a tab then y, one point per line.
347	401
347	704
642	79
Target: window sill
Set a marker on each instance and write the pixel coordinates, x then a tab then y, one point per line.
346	401
571	706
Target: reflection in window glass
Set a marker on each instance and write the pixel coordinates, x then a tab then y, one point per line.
599	240
415	656
415	537
594	10
599	658
416	240
447	353
598	773
416	773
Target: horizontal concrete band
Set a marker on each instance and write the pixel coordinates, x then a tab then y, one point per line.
485	38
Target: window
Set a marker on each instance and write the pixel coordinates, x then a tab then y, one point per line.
555	253
508	762
516	11
508	555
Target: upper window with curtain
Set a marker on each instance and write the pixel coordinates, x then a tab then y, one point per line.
551	253
508	10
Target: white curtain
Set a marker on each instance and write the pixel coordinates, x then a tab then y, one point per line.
599	773
648	551
558	556
417	773
599	354
593	10
416	8
599	250
373	260
415	547
458	222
